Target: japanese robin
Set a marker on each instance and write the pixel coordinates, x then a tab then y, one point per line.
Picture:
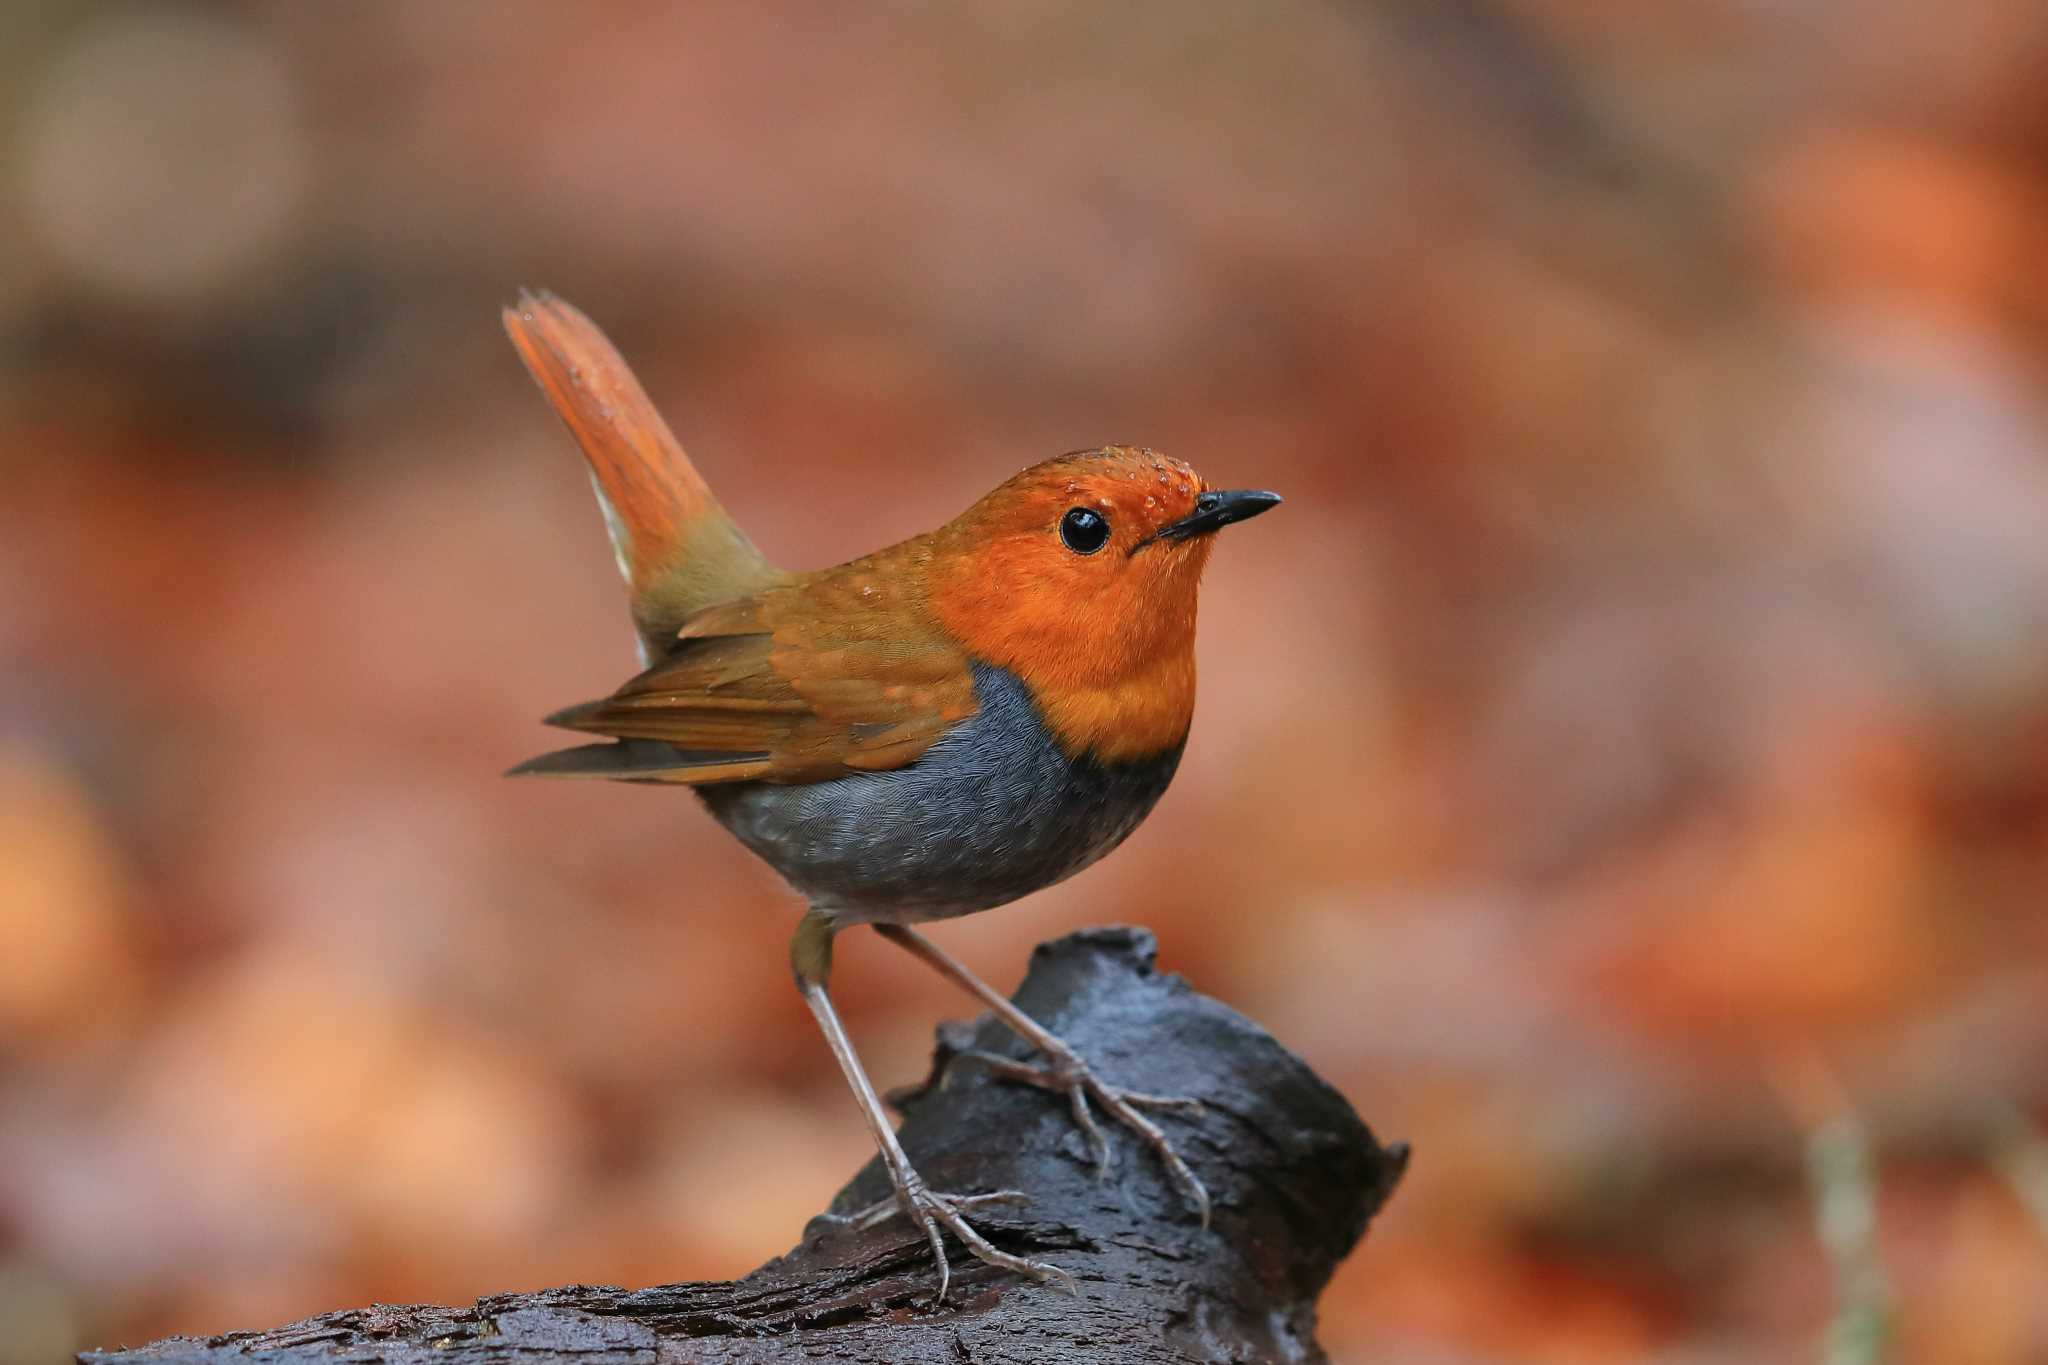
937	728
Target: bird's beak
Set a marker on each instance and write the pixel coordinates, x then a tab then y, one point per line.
1215	510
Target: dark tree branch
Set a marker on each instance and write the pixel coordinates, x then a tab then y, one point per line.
1294	1175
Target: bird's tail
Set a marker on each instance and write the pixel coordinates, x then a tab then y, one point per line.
676	546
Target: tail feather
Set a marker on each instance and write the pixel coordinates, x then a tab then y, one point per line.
676	547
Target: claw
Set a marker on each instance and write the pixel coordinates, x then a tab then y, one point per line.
1067	1074
931	1210
888	1206
1098	1141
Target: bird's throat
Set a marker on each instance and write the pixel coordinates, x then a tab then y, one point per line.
1135	717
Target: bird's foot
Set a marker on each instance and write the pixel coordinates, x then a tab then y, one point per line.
1066	1074
889	1205
929	1210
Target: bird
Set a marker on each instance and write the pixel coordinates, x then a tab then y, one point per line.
935	729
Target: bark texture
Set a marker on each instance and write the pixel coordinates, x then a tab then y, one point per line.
1293	1172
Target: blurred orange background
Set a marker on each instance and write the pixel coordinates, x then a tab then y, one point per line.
1626	754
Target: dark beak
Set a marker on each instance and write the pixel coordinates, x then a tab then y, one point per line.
1215	510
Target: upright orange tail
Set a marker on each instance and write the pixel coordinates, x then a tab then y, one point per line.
676	546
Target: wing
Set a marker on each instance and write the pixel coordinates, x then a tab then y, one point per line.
828	674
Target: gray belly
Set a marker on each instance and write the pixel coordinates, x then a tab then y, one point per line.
990	812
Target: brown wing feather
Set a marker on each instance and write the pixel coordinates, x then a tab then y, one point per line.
834	672
641	760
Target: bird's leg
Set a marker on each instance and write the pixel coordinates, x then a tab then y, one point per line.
810	957
1064	1072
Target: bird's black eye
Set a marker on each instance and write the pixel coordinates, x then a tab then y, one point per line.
1084	530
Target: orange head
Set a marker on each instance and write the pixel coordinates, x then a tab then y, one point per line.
1080	575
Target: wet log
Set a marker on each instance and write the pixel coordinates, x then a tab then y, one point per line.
1293	1173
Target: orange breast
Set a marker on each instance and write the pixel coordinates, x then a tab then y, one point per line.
1110	663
